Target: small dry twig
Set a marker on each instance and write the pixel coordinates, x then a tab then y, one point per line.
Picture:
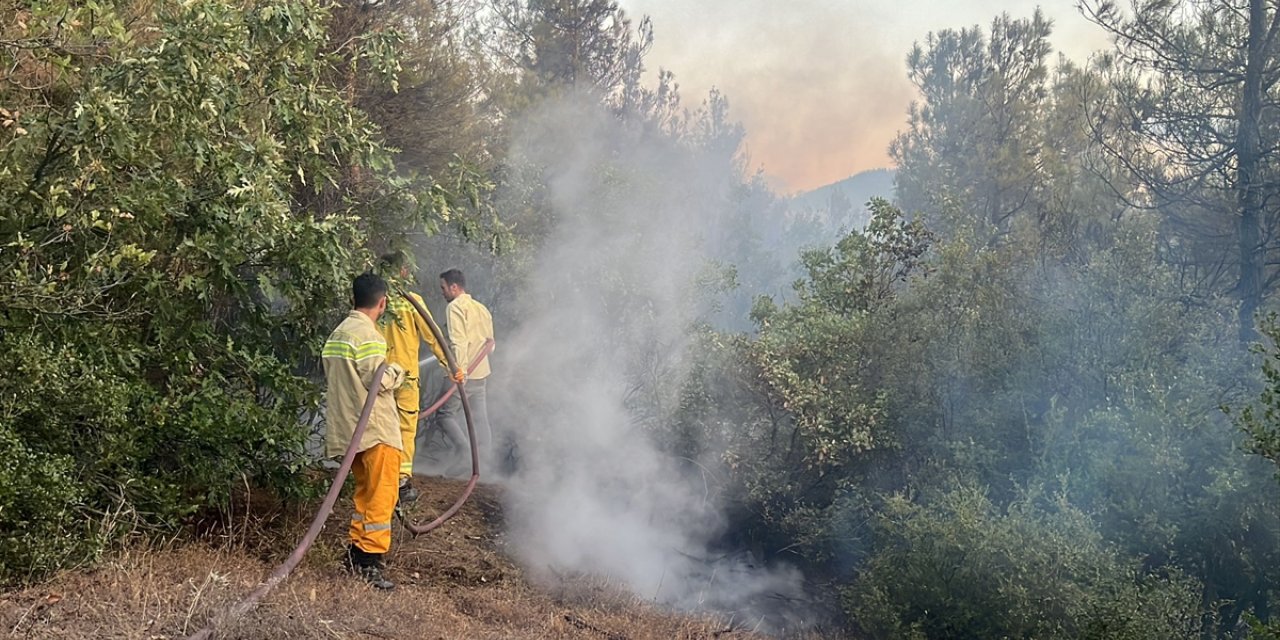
587	626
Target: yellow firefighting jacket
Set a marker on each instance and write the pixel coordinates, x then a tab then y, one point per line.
404	330
351	355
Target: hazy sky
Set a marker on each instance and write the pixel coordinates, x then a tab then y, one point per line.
821	85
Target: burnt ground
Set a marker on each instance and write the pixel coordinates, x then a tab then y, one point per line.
453	583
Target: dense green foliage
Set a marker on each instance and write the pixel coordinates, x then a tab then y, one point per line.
956	566
186	195
1107	396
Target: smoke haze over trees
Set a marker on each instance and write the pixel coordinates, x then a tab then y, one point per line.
992	406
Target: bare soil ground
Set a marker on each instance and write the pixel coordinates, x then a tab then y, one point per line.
453	583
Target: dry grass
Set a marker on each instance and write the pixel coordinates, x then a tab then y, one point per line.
454	583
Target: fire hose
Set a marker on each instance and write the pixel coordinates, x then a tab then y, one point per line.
330	499
415	529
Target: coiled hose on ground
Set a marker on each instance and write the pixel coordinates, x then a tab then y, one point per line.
331	498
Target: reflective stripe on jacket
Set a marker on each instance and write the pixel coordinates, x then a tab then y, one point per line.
351	355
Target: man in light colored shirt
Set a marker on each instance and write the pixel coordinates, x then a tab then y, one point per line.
469	326
351	356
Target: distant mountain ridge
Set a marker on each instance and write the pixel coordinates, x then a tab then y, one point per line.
856	190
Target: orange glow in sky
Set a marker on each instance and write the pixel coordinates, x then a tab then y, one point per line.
820	85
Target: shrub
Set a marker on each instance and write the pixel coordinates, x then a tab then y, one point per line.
955	566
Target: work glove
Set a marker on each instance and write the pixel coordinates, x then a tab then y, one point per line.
459	376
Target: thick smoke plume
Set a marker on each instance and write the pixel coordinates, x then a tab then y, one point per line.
597	357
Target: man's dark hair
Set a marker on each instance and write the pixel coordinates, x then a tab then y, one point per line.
454	276
394	261
367	289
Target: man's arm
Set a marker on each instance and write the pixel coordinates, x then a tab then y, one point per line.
488	327
458	334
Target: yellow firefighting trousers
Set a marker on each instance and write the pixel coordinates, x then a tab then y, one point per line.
407	406
376	471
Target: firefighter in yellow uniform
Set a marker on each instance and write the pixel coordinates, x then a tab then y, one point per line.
404	331
351	357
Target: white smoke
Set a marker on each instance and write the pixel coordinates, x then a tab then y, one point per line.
598	356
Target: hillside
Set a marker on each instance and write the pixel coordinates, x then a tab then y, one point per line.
455	583
855	190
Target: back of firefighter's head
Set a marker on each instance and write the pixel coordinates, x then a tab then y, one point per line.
452	284
394	265
369	294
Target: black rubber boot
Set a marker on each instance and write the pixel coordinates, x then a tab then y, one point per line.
373	575
408	494
368	566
